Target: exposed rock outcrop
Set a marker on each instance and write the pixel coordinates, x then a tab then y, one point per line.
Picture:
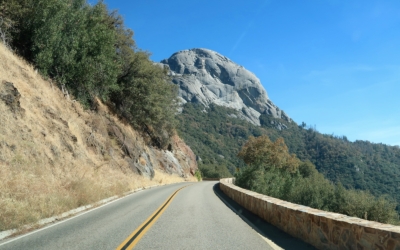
185	155
180	159
206	77
144	159
10	95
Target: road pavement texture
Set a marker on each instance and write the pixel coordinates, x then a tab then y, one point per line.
177	216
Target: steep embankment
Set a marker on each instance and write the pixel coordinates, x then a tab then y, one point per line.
55	156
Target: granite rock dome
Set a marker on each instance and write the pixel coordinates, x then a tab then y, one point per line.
205	76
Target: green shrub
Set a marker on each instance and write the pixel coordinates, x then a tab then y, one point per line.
214	171
147	98
71	42
197	174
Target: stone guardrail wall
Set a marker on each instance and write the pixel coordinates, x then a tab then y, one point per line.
324	230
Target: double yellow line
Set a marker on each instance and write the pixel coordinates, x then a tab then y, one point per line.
134	238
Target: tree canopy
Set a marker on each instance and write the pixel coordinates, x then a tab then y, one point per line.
261	151
87	50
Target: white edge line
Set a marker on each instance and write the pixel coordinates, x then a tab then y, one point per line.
75	211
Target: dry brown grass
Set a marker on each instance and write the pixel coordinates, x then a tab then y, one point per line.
57	156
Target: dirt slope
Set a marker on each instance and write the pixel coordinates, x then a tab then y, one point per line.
55	156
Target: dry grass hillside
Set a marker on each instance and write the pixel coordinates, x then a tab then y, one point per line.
55	156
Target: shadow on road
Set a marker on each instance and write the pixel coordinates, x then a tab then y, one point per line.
267	230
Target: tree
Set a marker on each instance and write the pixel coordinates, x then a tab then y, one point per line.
74	44
261	151
88	50
145	94
307	169
12	14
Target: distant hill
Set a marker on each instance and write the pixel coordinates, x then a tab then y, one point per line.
225	104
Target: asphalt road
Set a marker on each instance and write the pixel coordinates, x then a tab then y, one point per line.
199	216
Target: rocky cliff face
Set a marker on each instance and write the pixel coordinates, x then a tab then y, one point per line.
206	77
143	159
180	160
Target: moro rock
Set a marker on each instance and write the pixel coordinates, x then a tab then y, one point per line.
207	77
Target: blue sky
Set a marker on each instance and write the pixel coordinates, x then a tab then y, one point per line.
330	63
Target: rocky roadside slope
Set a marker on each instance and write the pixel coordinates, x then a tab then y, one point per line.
55	156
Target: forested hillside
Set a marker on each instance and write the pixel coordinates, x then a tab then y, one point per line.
273	171
216	137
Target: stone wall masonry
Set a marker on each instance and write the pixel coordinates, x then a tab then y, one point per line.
324	230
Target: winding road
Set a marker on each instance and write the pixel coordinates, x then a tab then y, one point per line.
176	216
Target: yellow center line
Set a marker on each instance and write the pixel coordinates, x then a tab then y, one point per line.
134	237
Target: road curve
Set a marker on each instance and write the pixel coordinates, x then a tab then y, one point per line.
196	218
